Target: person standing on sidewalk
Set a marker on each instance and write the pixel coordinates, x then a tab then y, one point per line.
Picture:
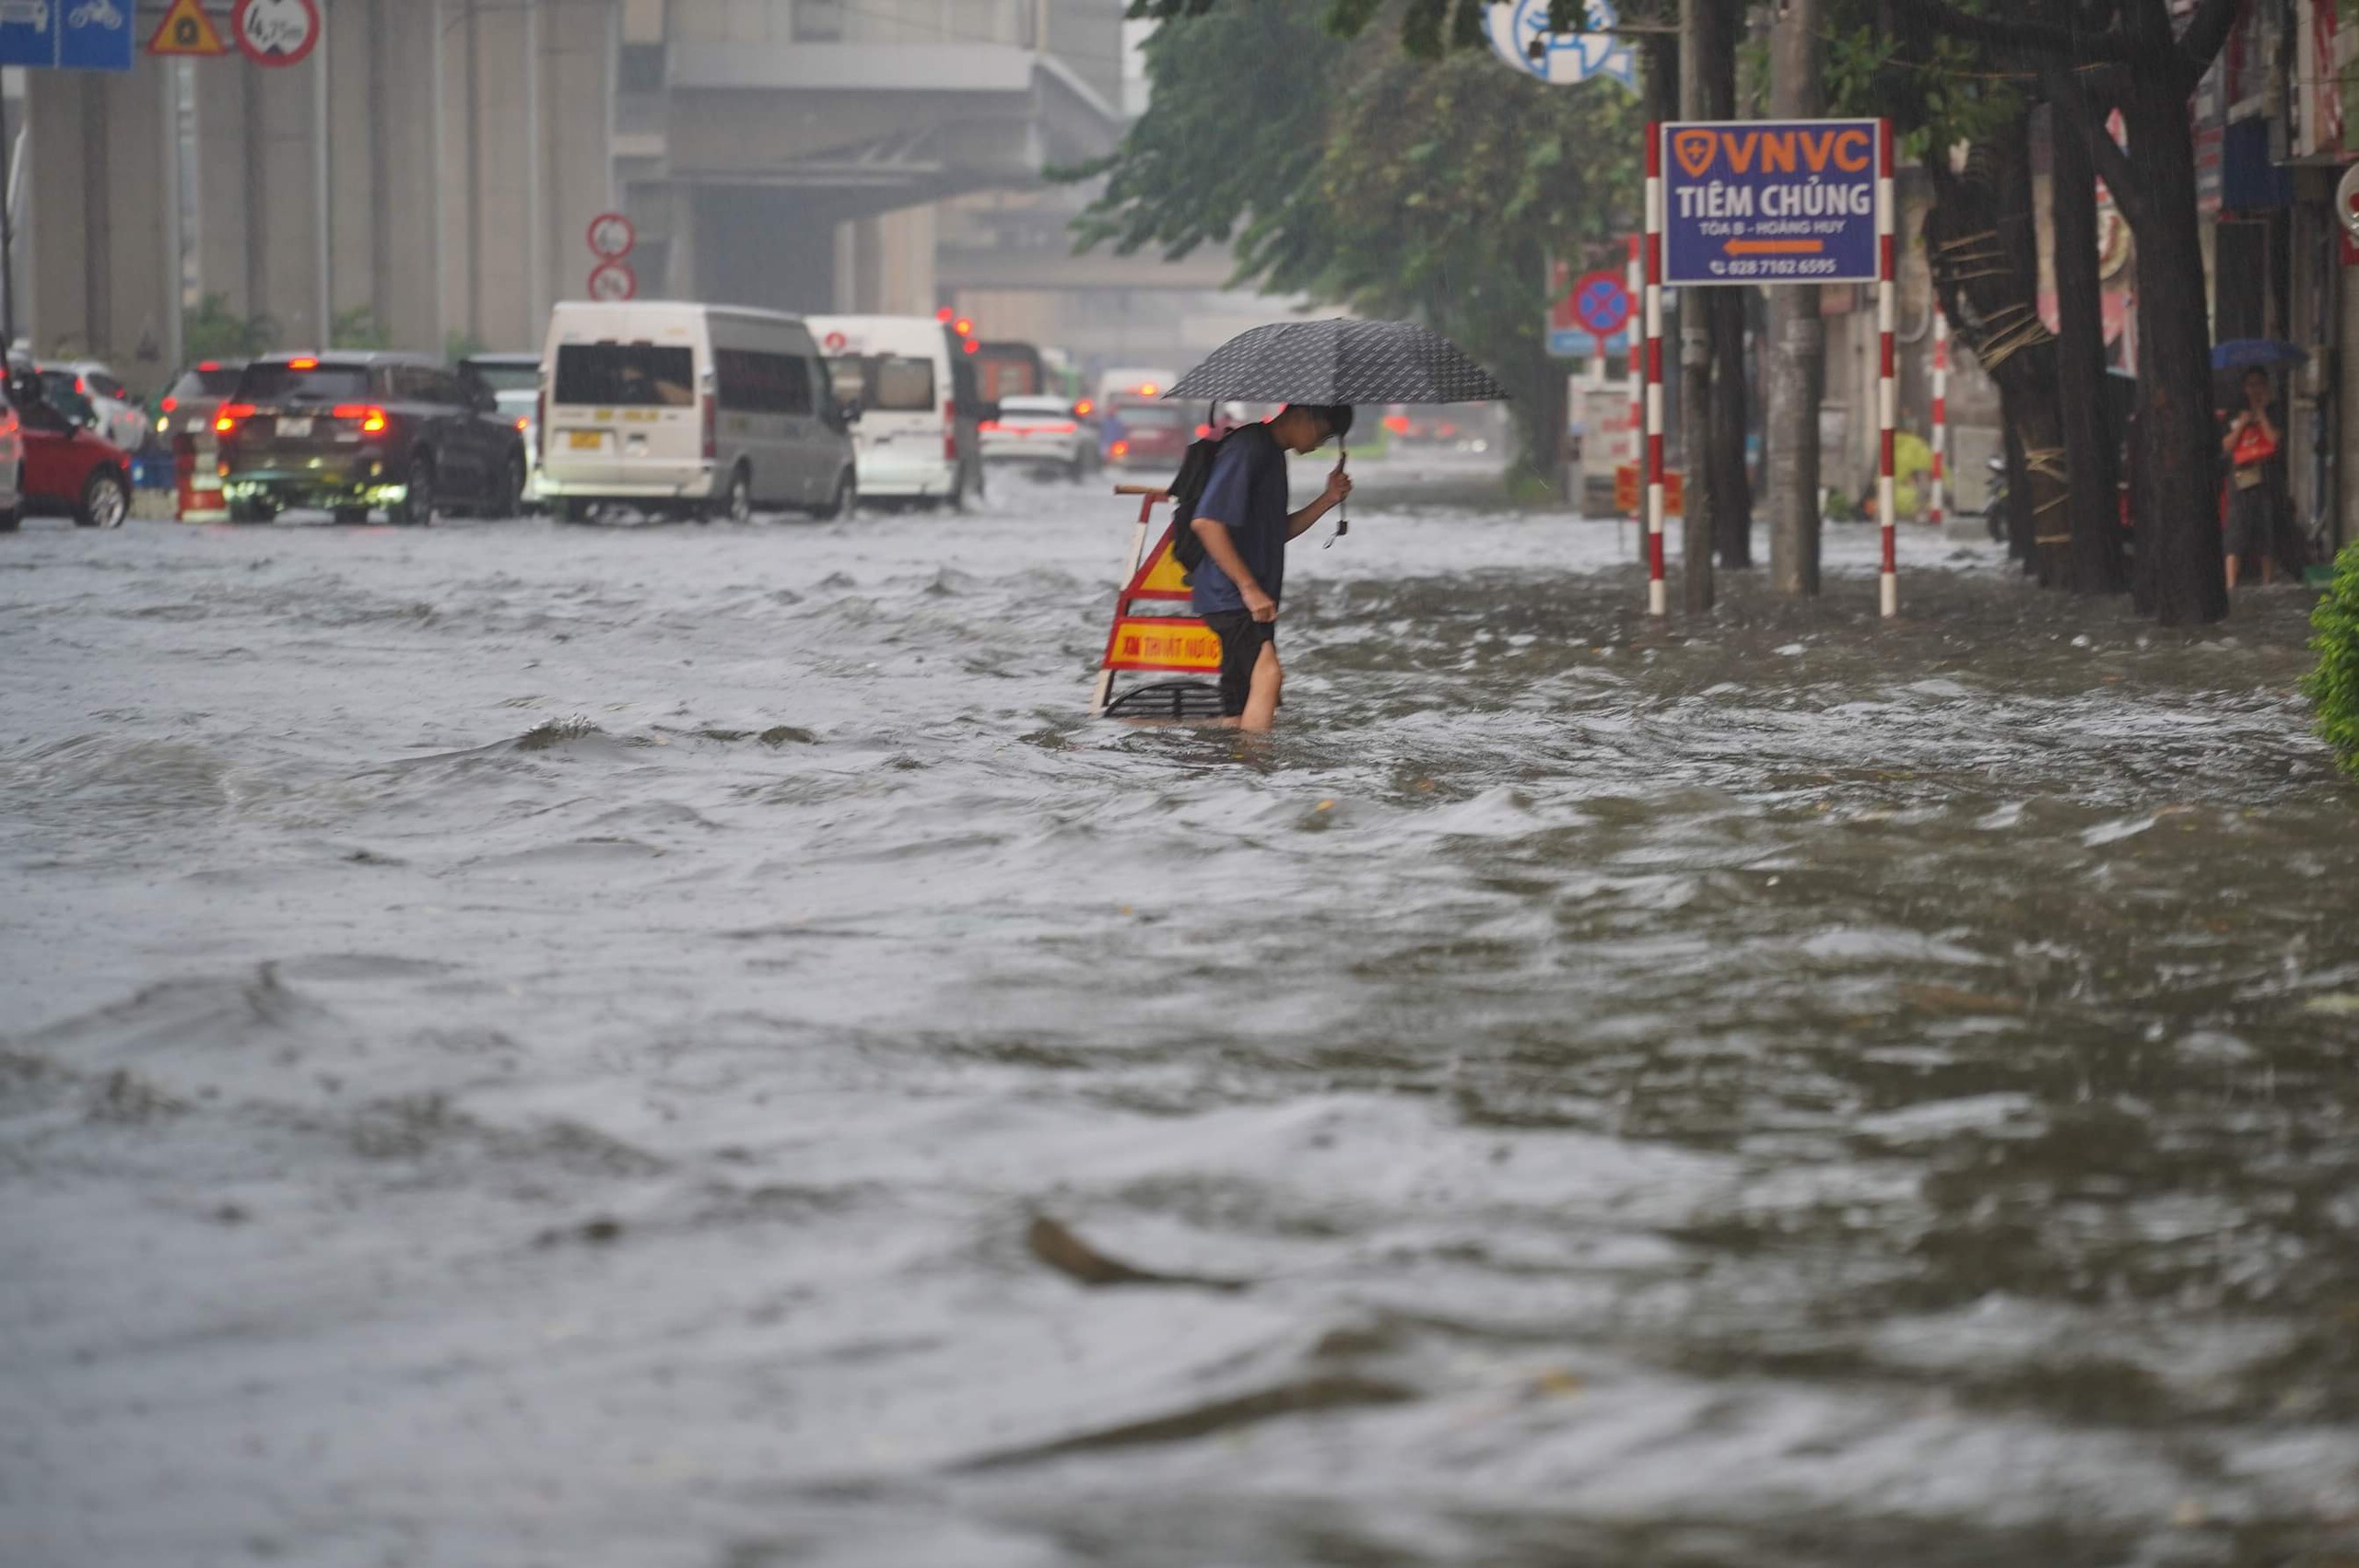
2251	444
1244	524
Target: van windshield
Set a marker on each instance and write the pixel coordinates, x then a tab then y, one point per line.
626	375
885	382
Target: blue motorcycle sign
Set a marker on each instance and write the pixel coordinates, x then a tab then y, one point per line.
68	35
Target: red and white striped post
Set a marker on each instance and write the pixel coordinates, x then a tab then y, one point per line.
1658	601
1634	281
1887	388
1940	441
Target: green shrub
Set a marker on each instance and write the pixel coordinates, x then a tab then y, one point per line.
2334	684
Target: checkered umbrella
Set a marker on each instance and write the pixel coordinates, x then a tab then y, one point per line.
1339	361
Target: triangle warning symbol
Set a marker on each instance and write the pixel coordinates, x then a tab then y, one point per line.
186	29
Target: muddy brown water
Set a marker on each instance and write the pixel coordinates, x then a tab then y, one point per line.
536	1045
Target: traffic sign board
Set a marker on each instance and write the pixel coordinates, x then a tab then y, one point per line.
68	35
1770	201
1519	35
277	33
1601	302
186	29
612	281
611	236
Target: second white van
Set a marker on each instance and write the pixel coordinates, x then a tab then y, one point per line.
694	410
920	412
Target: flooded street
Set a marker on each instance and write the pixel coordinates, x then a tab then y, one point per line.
525	1045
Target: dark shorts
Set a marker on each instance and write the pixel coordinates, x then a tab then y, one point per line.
2252	518
1241	640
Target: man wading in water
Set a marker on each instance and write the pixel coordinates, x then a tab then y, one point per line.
1243	522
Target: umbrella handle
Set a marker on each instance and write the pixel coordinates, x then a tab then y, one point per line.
1344	522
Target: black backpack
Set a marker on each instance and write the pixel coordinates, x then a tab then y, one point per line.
1187	489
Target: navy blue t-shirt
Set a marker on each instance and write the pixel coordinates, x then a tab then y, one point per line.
1248	492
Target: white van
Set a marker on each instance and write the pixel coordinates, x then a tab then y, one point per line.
697	410
920	411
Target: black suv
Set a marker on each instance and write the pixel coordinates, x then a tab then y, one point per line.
353	432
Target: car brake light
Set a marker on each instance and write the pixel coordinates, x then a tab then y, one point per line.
712	427
522	423
302	364
989	426
1060	427
226	420
1202	430
949	432
170	403
1084	409
81	386
208	366
371	420
1121	448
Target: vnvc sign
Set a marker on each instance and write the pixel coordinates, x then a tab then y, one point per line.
1770	201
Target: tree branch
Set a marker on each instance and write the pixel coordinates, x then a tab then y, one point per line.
2063	90
2023	37
2199	44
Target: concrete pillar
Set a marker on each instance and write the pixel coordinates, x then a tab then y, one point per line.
97	234
577	161
905	262
257	187
382	136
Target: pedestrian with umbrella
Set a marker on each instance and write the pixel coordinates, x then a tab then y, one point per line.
1319	369
2258	518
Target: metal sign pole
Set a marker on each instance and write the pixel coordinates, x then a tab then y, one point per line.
1941	442
1658	600
1887	386
8	237
1636	283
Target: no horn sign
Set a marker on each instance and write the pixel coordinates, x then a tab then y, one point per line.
1767	201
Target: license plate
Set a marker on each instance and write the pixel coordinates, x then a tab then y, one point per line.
585	441
299	426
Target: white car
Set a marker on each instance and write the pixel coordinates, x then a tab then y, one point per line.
1042	432
121	422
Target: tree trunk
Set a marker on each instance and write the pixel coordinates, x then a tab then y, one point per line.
2181	572
1975	236
2019	520
1731	485
1731	488
1796	344
2094	563
1706	82
2039	412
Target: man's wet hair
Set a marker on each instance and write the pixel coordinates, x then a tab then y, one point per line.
1336	416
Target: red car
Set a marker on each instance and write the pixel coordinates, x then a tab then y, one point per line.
67	470
1148	434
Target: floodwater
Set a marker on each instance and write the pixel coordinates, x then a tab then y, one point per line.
533	1046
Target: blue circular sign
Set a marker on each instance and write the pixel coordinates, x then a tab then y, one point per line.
1601	302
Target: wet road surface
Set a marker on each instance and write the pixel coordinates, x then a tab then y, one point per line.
529	1044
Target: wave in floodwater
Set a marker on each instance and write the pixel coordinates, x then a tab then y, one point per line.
685	1045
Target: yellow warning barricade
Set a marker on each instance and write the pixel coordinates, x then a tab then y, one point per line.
1153	629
